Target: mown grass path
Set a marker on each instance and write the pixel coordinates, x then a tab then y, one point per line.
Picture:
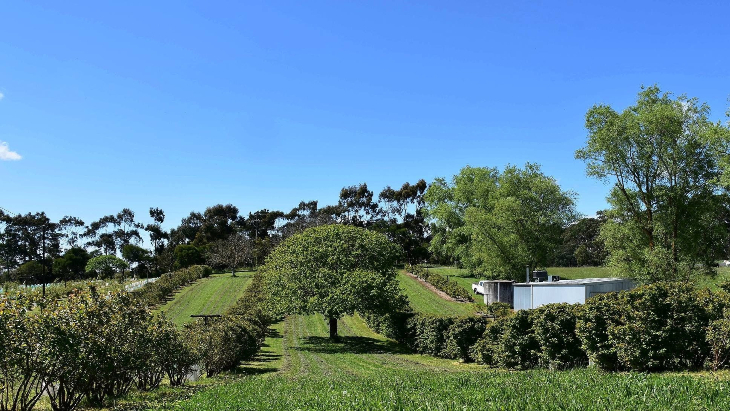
426	301
212	295
300	368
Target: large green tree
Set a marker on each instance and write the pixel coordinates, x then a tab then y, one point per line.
664	157
334	270
496	223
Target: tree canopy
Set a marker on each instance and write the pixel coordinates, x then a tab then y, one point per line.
334	270
496	223
665	160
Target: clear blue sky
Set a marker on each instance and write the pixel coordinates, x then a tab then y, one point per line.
182	105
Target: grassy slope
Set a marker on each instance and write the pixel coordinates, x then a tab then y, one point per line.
210	295
301	369
426	301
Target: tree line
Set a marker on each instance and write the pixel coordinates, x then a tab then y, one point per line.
668	214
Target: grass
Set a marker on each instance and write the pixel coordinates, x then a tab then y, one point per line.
301	368
426	301
212	295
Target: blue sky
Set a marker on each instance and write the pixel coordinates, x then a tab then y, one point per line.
182	105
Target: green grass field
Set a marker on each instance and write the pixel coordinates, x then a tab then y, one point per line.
300	368
212	295
426	301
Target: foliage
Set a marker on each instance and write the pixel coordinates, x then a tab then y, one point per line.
498	310
428	333
104	266
518	347
662	327
495	223
20	356
334	270
450	287
188	255
231	253
599	314
461	335
718	337
554	329
78	361
582	245
137	257
664	157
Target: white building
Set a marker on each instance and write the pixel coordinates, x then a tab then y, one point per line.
533	295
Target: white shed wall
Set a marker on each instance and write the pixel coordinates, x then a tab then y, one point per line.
563	294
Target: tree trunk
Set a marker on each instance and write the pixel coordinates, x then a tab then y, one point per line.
333	328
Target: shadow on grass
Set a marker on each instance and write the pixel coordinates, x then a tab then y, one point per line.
352	345
259	364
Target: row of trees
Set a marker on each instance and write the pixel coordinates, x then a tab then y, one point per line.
33	248
669	214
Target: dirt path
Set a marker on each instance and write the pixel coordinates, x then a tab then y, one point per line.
434	289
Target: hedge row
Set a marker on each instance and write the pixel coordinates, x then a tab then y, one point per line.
450	287
162	289
447	337
87	346
659	327
237	336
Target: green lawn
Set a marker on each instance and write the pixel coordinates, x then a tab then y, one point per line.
212	295
301	369
426	301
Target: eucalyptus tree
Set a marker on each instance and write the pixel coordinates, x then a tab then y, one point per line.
404	221
333	270
356	205
664	159
73	229
496	223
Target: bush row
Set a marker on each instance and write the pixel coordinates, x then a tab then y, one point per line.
162	289
86	346
447	337
450	287
236	336
659	327
666	326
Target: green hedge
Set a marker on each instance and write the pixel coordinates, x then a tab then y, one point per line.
450	287
652	328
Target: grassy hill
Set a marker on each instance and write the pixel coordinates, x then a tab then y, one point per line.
212	295
426	301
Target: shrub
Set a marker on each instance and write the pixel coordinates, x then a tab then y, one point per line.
20	355
498	310
391	325
554	329
461	335
429	333
663	327
486	350
595	318
518	348
718	336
